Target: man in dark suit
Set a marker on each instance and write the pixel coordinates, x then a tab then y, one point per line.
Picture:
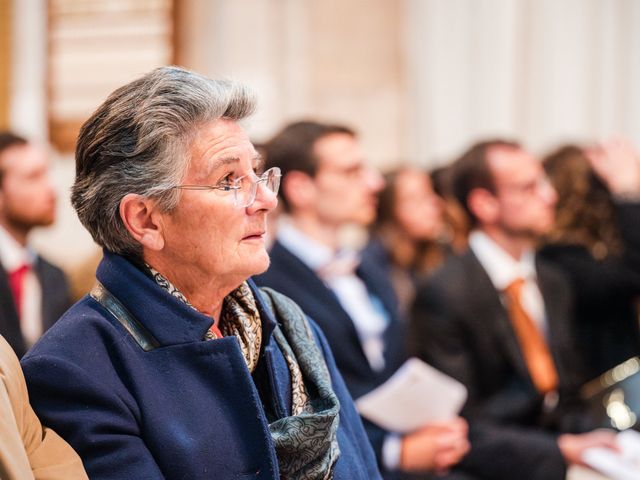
33	292
497	319
326	186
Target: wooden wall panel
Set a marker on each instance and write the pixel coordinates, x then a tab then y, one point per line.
5	61
95	47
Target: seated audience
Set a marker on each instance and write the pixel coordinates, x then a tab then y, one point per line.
33	292
498	319
596	242
27	449
327	186
176	365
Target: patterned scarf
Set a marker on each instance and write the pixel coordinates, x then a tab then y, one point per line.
306	442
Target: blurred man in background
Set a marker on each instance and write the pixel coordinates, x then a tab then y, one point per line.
327	185
33	292
498	319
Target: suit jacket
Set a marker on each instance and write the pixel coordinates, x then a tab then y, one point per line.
289	275
186	409
56	299
27	449
460	326
606	295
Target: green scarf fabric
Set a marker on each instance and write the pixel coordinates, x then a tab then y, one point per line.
306	443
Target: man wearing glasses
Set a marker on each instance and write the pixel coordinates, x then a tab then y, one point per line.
497	319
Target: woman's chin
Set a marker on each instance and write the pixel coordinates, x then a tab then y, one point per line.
260	263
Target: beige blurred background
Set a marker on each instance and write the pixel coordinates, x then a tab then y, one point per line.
419	79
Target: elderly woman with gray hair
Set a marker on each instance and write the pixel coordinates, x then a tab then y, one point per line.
176	365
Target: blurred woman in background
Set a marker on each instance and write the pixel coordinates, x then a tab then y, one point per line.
597	243
407	235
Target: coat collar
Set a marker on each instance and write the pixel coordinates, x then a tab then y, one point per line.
168	319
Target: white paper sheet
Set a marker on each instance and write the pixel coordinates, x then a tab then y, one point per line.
623	465
416	395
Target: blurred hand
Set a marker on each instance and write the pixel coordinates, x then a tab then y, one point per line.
573	446
436	447
618	165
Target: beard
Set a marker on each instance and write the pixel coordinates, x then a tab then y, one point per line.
533	233
24	222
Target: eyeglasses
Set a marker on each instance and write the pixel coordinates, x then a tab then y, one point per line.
541	183
244	188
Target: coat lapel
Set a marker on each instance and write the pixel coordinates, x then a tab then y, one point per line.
557	300
9	320
487	300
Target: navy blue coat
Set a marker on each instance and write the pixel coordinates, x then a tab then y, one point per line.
187	409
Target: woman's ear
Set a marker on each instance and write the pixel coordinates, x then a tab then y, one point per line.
140	217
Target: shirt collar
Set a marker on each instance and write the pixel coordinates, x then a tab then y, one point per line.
12	254
501	267
313	253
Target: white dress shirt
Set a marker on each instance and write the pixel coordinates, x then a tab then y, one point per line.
365	310
13	256
503	269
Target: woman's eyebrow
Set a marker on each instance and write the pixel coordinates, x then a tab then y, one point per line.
257	161
217	164
224	161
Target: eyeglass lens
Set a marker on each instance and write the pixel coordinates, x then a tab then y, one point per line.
246	194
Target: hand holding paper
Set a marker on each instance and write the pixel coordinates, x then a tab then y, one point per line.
415	396
436	447
618	465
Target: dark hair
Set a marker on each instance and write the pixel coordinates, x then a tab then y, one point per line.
292	148
417	257
9	140
387	198
471	171
585	210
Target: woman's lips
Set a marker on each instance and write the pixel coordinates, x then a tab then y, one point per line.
254	236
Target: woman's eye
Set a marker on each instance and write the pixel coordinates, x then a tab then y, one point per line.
226	183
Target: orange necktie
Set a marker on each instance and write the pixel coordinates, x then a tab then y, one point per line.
534	347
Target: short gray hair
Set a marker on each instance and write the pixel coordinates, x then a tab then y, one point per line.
138	141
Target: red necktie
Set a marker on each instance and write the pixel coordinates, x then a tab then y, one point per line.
16	282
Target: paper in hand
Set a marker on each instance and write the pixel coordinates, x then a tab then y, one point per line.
415	396
623	465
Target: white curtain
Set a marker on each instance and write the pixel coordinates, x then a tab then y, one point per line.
541	71
420	79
